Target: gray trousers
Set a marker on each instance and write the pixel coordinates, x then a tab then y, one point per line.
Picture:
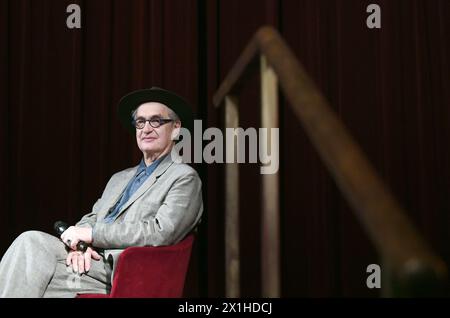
35	266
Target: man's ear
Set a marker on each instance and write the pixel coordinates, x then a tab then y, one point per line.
176	130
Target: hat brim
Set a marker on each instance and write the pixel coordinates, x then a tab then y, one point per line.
133	100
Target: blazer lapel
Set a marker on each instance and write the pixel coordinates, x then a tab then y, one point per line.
119	188
162	167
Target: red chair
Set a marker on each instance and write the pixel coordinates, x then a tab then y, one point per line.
150	272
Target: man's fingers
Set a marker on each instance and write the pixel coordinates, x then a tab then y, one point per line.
66	233
73	243
69	258
95	255
75	262
69	237
87	261
80	263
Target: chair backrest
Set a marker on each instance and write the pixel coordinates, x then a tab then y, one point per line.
152	272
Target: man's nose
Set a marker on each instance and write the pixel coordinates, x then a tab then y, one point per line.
147	127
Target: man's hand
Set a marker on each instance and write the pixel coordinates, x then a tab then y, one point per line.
81	262
74	234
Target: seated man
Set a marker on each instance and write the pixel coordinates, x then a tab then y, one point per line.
155	203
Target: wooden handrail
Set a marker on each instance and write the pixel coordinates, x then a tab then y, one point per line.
408	262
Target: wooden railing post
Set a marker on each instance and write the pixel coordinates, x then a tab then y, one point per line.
270	231
232	202
414	268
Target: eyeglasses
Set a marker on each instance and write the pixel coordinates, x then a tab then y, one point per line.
154	122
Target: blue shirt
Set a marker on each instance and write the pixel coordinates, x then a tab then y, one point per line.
142	174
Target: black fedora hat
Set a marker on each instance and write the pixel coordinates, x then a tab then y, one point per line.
133	100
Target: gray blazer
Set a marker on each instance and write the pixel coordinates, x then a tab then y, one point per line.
161	212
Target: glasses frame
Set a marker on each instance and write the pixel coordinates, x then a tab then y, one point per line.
157	122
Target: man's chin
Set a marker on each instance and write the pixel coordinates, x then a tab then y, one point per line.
149	149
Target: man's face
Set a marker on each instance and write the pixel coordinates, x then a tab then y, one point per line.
154	141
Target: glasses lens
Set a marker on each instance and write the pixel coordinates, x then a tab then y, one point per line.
155	122
140	123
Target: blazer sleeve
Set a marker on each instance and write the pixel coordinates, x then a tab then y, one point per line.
178	215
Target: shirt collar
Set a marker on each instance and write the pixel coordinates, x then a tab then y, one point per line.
148	170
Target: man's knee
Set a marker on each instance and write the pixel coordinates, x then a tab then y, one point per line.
33	237
40	242
30	235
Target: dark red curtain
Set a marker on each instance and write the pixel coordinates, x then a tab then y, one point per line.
61	140
59	89
389	88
